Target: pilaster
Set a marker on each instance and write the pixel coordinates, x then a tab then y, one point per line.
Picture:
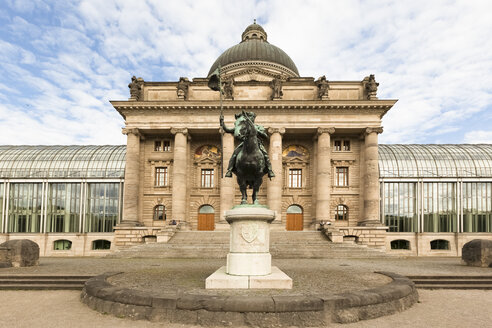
226	184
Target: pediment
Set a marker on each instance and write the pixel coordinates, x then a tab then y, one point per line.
294	160
252	74
206	160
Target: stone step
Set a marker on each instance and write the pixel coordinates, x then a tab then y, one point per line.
40	287
42	282
462	286
453	282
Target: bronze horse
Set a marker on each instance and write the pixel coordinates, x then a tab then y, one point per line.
250	162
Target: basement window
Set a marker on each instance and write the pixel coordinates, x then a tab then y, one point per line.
440	244
400	244
101	244
62	245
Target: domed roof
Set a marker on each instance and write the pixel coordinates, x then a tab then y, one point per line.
255	47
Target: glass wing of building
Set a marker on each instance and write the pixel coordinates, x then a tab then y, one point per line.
436	188
61	189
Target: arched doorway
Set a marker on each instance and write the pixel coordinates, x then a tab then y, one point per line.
294	218
206	218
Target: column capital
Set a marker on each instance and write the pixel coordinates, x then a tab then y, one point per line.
272	130
179	130
325	130
128	131
377	130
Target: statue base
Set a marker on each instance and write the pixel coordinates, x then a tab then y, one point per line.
249	262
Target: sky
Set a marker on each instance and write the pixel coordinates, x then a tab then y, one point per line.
62	61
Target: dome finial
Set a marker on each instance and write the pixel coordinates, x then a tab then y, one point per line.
254	32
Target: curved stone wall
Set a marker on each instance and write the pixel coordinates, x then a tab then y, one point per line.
257	311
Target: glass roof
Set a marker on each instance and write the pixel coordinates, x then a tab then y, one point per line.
397	161
463	160
62	161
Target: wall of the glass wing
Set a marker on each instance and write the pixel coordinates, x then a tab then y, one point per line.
477	207
63	207
439	207
2	186
25	202
102	207
400	213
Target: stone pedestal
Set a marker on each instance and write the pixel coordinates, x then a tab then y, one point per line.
249	262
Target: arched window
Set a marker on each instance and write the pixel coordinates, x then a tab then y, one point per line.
101	244
400	244
206	209
159	213
62	245
341	212
294	209
439	244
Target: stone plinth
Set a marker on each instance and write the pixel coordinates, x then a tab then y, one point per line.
249	252
249	262
19	253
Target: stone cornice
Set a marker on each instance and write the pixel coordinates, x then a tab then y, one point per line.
382	106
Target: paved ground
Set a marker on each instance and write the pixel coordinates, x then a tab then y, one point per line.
451	308
48	309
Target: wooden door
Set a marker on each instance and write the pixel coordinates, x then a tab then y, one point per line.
206	221
294	221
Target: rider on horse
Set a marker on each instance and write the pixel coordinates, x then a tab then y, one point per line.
240	118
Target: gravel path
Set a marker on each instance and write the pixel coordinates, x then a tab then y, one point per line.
404	266
53	309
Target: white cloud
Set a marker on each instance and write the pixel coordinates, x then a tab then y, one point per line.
484	137
70	59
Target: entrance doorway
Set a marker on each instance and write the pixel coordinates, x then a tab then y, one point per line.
294	218
206	218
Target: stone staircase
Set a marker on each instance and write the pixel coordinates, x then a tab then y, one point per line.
215	244
453	282
42	282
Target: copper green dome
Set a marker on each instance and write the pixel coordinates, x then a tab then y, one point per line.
254	50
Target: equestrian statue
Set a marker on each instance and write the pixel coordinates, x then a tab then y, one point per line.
250	161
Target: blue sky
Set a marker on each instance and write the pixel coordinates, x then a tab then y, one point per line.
62	61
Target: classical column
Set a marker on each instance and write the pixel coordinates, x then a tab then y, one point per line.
226	184
132	178
179	174
371	178
323	183
274	186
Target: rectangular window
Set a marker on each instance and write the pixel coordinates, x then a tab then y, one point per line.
63	207
158	145
346	145
25	207
440	211
166	145
341	177
477	207
207	178
295	178
161	176
102	206
162	145
400	206
337	145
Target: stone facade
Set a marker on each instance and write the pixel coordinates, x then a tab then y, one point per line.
323	149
